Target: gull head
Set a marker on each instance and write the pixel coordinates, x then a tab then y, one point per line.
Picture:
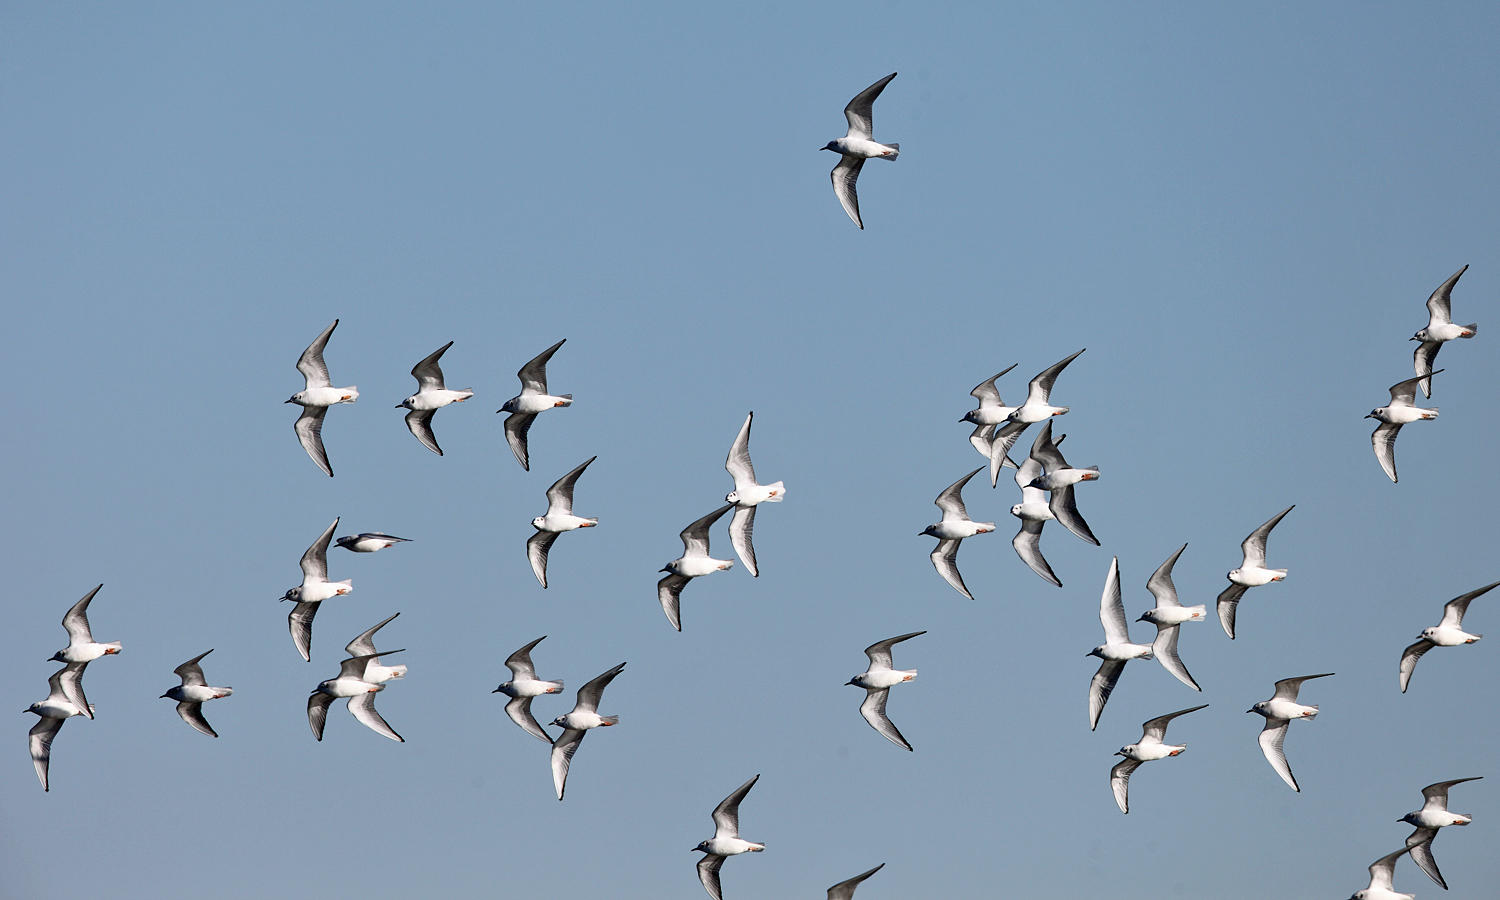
1016	510
1375	413
1232	572
703	845
509	406
1097	651
832	145
930	529
970	416
559	721
406	404
1125	750
538	522
503	689
56	657
293	594
295	397
1420	336
732	497
1426	635
1259	707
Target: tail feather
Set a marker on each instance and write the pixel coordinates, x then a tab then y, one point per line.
611	720
780	492
895	147
1473	329
567	399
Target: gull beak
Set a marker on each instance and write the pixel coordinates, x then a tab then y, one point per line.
1412	338
399	405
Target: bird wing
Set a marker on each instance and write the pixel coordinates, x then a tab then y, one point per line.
1000	441
76	619
419	423
428	373
1164	648
727	814
1287	688
516	427
987	394
309	428
40	742
951	500
69	682
1045	451
1419	845
1156	729
363	708
354	666
1228	603
1271	738
1455	610
311	364
669	593
1112	609
1383	870
1422	359
1404	393
1064	508
738	461
695	536
299	621
192	713
1439	305
861	109
315	559
880	651
945	559
1254	546
562	755
590	694
844	176
708	873
533	375
1040	388
537	548
873	709
1435	796
1119	781
519	710
844	890
1409	658
741	535
1101	686
560	495
317	712
1028	545
192	673
1160	584
520	664
364	643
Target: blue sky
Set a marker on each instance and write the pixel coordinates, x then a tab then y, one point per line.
1239	212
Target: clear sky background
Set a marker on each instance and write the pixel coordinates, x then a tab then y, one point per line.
1238	211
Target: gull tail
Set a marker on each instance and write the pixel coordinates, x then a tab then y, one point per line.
1313	714
567	399
1473	328
895	151
610	720
780	492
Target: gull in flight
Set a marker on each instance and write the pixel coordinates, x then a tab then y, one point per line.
1433	815
1152	745
954	527
1251	573
81	650
52	712
533	399
1038	406
364	645
369	541
988	419
844	890
747	495
1400	411
315	397
559	518
583	716
430	397
877	680
523	687
1034	511
1279	712
726	841
1382	873
693	562
1440	329
1058	483
350	683
1447	633
1117	648
194	692
315	588
857	146
1168	616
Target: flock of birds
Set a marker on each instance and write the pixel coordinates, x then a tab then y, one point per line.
1047	484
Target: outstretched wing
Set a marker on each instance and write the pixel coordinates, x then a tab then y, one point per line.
311	364
860	110
533	375
428	373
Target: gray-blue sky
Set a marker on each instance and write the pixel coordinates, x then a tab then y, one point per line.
1239	212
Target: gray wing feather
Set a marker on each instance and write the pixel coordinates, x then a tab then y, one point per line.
844	177
317	712
428	373
519	710
860	110
1028	546
562	756
1112	609
299	621
419	423
1422	359
1409	658
69	680
40	742
742	534
708	873
1271	738
1455	609
363	708
1119	781
1065	509
315	559
1439	304
844	890
1419	845
951	500
76	619
738	462
1039	390
873	709
1157	728
537	548
986	392
311	364
1254	546
590	694
364	643
190	672
516	427
880	651
533	375
520	664
726	815
669	593
1164	648
1227	604
1160	584
1101	686
560	495
192	713
309	429
695	536
945	559
1287	688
